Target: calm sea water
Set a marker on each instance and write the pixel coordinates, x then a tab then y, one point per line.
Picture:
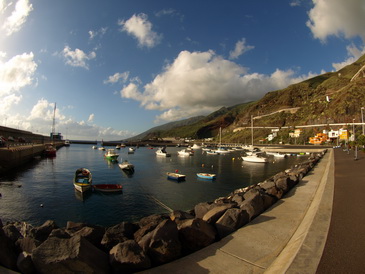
48	182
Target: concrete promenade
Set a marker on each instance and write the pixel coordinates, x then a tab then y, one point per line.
287	238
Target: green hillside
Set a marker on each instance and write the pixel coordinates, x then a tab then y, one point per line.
327	98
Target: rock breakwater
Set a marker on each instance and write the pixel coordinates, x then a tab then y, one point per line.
154	240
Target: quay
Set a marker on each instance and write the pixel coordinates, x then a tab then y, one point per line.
14	156
318	227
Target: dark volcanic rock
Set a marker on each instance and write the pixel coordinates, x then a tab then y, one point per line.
195	234
231	220
8	254
74	255
216	212
128	257
25	263
202	208
118	234
42	232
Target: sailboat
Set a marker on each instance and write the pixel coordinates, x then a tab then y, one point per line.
50	150
220	149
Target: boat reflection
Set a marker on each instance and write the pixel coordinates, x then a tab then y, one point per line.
82	196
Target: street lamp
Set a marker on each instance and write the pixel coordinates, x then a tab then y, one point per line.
353	129
362	120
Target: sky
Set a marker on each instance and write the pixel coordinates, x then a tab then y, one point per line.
117	68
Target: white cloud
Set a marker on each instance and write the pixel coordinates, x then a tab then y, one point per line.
94	33
16	73
91	117
77	57
354	53
239	49
18	17
139	27
7	102
116	77
338	18
201	82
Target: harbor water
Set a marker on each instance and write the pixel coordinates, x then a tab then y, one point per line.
43	189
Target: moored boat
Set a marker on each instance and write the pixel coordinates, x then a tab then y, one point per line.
185	152
82	180
50	151
175	176
125	165
255	159
111	155
209	176
108	187
162	152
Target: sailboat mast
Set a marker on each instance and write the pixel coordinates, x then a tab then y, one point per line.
252	130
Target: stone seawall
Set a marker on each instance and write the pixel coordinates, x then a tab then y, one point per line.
15	156
154	240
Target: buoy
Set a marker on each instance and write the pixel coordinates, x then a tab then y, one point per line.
41	205
176	170
212	166
233	159
202	165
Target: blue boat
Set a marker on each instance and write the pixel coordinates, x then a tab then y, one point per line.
209	176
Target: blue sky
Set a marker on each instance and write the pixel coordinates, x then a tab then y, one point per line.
118	68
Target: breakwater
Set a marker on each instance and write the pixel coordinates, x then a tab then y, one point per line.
15	156
152	241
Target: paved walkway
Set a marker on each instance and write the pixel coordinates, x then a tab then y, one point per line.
344	251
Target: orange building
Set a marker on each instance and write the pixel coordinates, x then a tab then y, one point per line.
319	139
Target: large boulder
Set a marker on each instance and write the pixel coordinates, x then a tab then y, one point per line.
162	244
74	255
93	234
42	232
216	212
118	234
25	263
128	257
8	254
180	215
231	220
148	224
195	234
202	208
253	203
12	232
27	244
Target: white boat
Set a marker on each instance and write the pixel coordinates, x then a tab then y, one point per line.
220	149
82	180
117	147
94	147
185	152
131	150
212	152
101	148
125	165
209	176
67	143
162	152
175	176
195	146
255	159
111	155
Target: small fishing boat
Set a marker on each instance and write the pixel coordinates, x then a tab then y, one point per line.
108	187
162	152
131	150
212	152
82	179
111	155
209	176
50	151
101	148
125	165
255	159
195	146
185	152
175	176
94	147
117	147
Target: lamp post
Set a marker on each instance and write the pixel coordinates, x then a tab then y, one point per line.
353	129
362	120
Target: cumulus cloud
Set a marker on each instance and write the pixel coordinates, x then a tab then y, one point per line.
77	57
117	77
353	53
239	49
198	83
18	17
139	27
338	18
16	73
95	33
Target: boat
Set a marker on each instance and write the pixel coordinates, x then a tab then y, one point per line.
195	146
125	165
82	179
131	150
162	152
210	176
175	176
117	147
67	143
50	151
220	149
255	159
108	187
101	148
212	152
111	155
185	152
94	147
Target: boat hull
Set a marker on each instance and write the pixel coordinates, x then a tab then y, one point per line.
175	176
253	159
206	176
108	187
